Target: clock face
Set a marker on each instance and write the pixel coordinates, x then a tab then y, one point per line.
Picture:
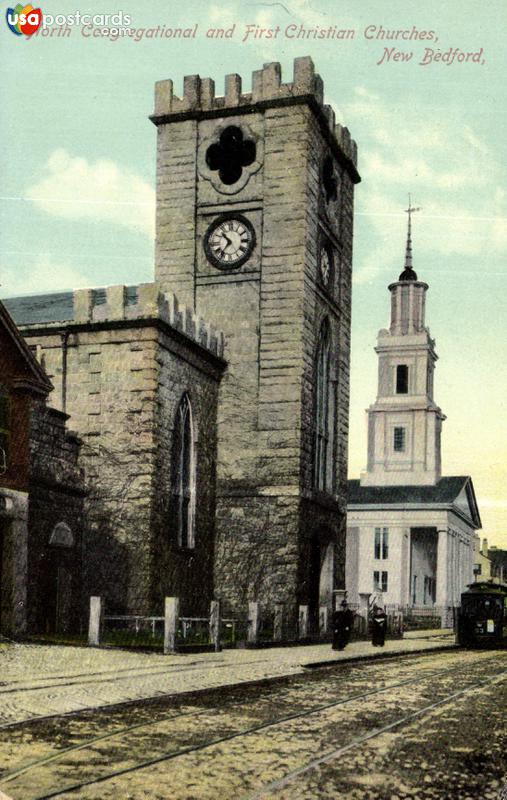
325	266
229	242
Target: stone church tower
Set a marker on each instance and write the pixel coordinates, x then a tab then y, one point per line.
254	231
213	403
404	423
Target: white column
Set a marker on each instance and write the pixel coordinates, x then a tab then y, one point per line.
456	564
171	619
278	622
461	568
405	576
443	553
214	625
303	622
253	622
94	623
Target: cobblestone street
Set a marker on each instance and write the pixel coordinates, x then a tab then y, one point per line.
417	726
39	680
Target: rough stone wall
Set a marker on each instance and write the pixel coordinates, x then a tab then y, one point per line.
176	189
111	386
54	595
123	379
185	573
270	310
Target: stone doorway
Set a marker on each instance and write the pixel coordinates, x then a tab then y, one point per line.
57	593
321	576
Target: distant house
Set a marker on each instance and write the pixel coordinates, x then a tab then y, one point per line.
410	531
41	497
498	564
482	561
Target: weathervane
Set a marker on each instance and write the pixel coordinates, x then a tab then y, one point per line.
408	253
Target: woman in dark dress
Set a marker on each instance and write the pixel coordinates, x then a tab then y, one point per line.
343	619
378	627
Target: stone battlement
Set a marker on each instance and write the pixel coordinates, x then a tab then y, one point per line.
145	301
199	96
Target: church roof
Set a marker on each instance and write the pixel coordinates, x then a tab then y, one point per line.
455	491
39	308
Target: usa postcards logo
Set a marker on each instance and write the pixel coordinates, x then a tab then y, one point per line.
23	20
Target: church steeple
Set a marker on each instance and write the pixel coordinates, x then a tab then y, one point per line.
408	273
404	423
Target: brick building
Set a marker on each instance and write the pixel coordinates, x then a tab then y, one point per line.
220	459
41	497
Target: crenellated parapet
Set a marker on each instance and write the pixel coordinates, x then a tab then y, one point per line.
267	89
145	301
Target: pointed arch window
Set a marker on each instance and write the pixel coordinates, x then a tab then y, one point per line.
324	416
183	476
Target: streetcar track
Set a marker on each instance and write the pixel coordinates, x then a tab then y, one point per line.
245	732
164	695
85	709
111	679
107	671
89	710
278	784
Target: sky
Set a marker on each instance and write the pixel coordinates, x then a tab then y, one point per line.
78	166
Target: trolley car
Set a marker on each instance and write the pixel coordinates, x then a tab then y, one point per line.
482	618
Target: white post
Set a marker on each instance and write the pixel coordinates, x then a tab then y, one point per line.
95	621
323	618
303	622
253	622
443	592
214	624
364	605
278	623
171	618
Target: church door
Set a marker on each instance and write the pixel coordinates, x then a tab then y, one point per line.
320	589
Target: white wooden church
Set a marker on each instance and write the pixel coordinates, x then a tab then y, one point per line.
410	531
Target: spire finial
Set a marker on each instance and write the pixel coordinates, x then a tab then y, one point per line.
408	273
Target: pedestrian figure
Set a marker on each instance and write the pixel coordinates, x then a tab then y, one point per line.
378	627
342	626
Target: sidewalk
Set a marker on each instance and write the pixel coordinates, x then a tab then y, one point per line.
39	680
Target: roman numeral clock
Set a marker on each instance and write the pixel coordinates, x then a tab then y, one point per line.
229	241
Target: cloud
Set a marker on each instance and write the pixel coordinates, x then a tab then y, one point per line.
449	171
45	275
75	188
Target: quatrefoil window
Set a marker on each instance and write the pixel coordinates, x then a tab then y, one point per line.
230	154
329	180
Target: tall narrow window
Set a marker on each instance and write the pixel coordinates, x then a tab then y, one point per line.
5	431
380	581
399	440
324	424
183	476
381	542
401	379
385	542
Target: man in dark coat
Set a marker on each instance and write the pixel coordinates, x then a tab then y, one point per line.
378	627
343	619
